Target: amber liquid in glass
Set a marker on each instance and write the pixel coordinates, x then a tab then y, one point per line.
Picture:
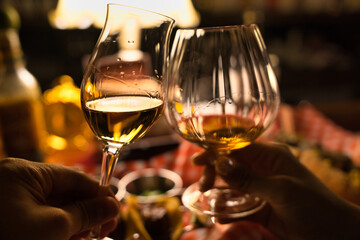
220	132
122	119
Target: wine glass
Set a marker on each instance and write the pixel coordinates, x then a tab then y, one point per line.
222	95
122	92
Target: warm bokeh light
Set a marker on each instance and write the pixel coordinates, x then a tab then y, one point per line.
81	14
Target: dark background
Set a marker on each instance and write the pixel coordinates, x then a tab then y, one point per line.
317	47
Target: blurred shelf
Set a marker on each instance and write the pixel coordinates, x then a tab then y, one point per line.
344	21
319	86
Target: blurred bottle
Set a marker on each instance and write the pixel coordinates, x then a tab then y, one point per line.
70	141
22	128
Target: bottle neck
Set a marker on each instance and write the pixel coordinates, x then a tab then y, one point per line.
11	54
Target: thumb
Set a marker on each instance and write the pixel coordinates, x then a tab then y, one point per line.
239	176
85	214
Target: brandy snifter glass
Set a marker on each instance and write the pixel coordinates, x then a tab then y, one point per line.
222	95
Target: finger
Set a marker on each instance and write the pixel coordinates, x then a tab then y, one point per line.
239	176
65	198
51	179
266	159
207	179
105	191
108	227
233	172
88	213
203	158
60	180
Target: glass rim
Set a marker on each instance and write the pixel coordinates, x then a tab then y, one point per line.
141	9
219	28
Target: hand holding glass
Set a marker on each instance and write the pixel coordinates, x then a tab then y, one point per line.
222	95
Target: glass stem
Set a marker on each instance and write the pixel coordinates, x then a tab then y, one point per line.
110	158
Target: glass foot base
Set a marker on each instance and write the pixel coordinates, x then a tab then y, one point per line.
221	202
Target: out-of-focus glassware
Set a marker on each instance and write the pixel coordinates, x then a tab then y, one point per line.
123	89
152	208
222	95
149	184
22	129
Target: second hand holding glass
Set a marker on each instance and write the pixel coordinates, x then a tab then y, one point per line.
222	95
122	92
